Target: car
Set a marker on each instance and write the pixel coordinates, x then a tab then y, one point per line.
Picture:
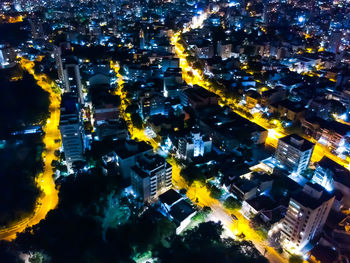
234	217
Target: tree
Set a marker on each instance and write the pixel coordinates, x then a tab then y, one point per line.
38	258
7	253
204	244
232	203
201	215
258	225
295	259
337	107
183	191
131	109
215	192
137	120
193	173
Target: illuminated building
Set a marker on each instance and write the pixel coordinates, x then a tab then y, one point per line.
198	97
204	50
306	215
151	176
291	110
332	176
334	42
170	63
58	58
142	39
172	82
224	50
329	133
71	129
153	104
177	209
193	145
7	56
103	113
294	153
125	155
59	53
72	80
37	29
230	130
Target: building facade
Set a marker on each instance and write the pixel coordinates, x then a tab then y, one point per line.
307	213
71	128
72	80
194	145
294	153
151	176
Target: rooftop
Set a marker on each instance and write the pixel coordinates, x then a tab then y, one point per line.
170	197
180	211
297	142
127	148
311	200
341	174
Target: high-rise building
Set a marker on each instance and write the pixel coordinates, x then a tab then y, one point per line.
294	152
151	176
224	50
172	82
332	176
153	104
72	80
125	155
142	39
7	56
71	129
306	215
57	52
194	145
334	42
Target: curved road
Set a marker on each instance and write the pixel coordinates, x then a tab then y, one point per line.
49	198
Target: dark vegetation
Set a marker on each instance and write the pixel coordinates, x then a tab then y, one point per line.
20	162
75	231
18	33
22	104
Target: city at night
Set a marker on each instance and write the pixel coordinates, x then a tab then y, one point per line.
174	131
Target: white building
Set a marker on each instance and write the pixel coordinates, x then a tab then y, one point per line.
72	80
193	145
306	215
294	153
71	128
224	50
151	176
332	176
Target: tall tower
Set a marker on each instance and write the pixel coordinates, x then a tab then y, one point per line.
307	213
142	39
72	80
294	152
71	129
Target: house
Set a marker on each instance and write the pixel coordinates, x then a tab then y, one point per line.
328	133
333	176
293	111
252	98
228	130
272	96
177	209
198	97
256	205
247	188
125	155
181	214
